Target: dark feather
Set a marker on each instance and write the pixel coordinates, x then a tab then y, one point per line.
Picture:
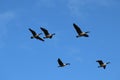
77	28
100	62
32	31
45	31
104	66
39	38
60	62
34	34
86	35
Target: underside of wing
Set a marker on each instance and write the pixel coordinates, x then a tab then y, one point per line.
45	31
77	28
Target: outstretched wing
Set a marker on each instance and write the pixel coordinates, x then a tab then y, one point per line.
39	38
100	62
32	31
77	28
60	62
45	31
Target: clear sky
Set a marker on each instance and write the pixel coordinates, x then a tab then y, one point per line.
22	58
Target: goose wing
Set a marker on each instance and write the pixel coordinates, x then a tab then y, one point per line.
32	31
60	62
100	62
39	38
45	31
77	28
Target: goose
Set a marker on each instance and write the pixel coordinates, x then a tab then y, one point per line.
79	31
61	64
102	64
47	34
35	35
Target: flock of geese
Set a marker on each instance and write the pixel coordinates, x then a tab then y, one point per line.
80	33
37	36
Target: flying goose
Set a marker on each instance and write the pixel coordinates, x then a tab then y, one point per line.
79	31
35	35
61	64
102	64
47	34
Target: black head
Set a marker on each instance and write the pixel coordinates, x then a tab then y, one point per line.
67	63
52	35
108	63
31	37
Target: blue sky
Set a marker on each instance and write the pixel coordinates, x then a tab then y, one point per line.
22	58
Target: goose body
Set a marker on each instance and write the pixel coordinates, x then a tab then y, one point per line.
79	31
61	64
47	34
102	64
35	35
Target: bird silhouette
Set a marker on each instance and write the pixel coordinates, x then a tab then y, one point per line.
79	31
35	35
61	64
47	34
102	64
